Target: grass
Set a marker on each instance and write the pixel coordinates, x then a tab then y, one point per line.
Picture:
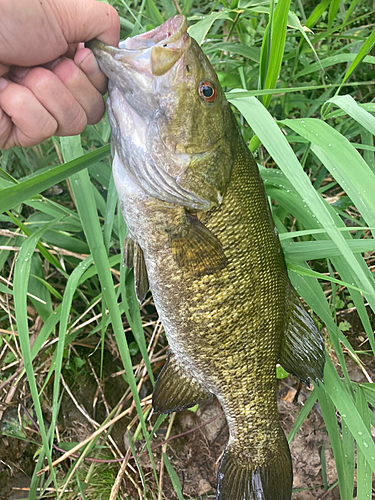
300	76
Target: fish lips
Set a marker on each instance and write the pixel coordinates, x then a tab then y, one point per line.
148	55
146	65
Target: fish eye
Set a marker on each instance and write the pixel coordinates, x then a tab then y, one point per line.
207	91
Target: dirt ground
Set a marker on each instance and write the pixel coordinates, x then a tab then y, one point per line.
202	450
198	438
196	454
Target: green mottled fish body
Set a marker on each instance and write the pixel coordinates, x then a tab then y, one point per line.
201	237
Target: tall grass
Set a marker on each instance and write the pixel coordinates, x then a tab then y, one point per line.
299	73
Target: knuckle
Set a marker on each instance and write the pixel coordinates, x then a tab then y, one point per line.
67	72
48	128
40	79
74	124
5	130
97	111
17	99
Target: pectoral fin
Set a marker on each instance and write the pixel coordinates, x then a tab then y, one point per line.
128	253
175	389
133	257
303	350
195	248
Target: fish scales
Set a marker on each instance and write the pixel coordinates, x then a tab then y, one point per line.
201	236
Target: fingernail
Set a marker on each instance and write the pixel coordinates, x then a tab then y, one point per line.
3	83
20	72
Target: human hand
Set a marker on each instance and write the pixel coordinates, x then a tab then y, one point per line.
49	83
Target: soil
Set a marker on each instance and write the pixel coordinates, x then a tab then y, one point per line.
195	455
201	451
198	438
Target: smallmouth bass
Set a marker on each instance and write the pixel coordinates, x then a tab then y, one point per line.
202	239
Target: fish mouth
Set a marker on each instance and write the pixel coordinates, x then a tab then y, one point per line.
139	71
170	32
154	52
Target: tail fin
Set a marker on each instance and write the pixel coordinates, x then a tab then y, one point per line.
239	480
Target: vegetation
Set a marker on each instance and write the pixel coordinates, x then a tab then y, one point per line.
300	75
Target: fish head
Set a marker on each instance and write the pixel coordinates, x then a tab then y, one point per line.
171	124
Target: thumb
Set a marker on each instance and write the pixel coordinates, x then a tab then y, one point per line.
36	32
83	20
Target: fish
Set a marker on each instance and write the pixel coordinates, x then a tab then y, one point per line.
201	237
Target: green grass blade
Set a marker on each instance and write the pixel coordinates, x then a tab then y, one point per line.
294	22
348	104
317	13
364	476
83	194
349	413
134	319
329	416
276	49
311	250
361	56
342	160
37	287
109	215
70	290
368	148
307	407
200	29
274	141
332	61
13	196
332	12
251	53
21	273
313	274
349	454
174	477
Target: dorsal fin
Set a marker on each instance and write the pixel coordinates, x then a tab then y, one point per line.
303	350
175	389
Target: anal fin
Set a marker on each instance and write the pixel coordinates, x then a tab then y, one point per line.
195	248
303	350
133	257
175	389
